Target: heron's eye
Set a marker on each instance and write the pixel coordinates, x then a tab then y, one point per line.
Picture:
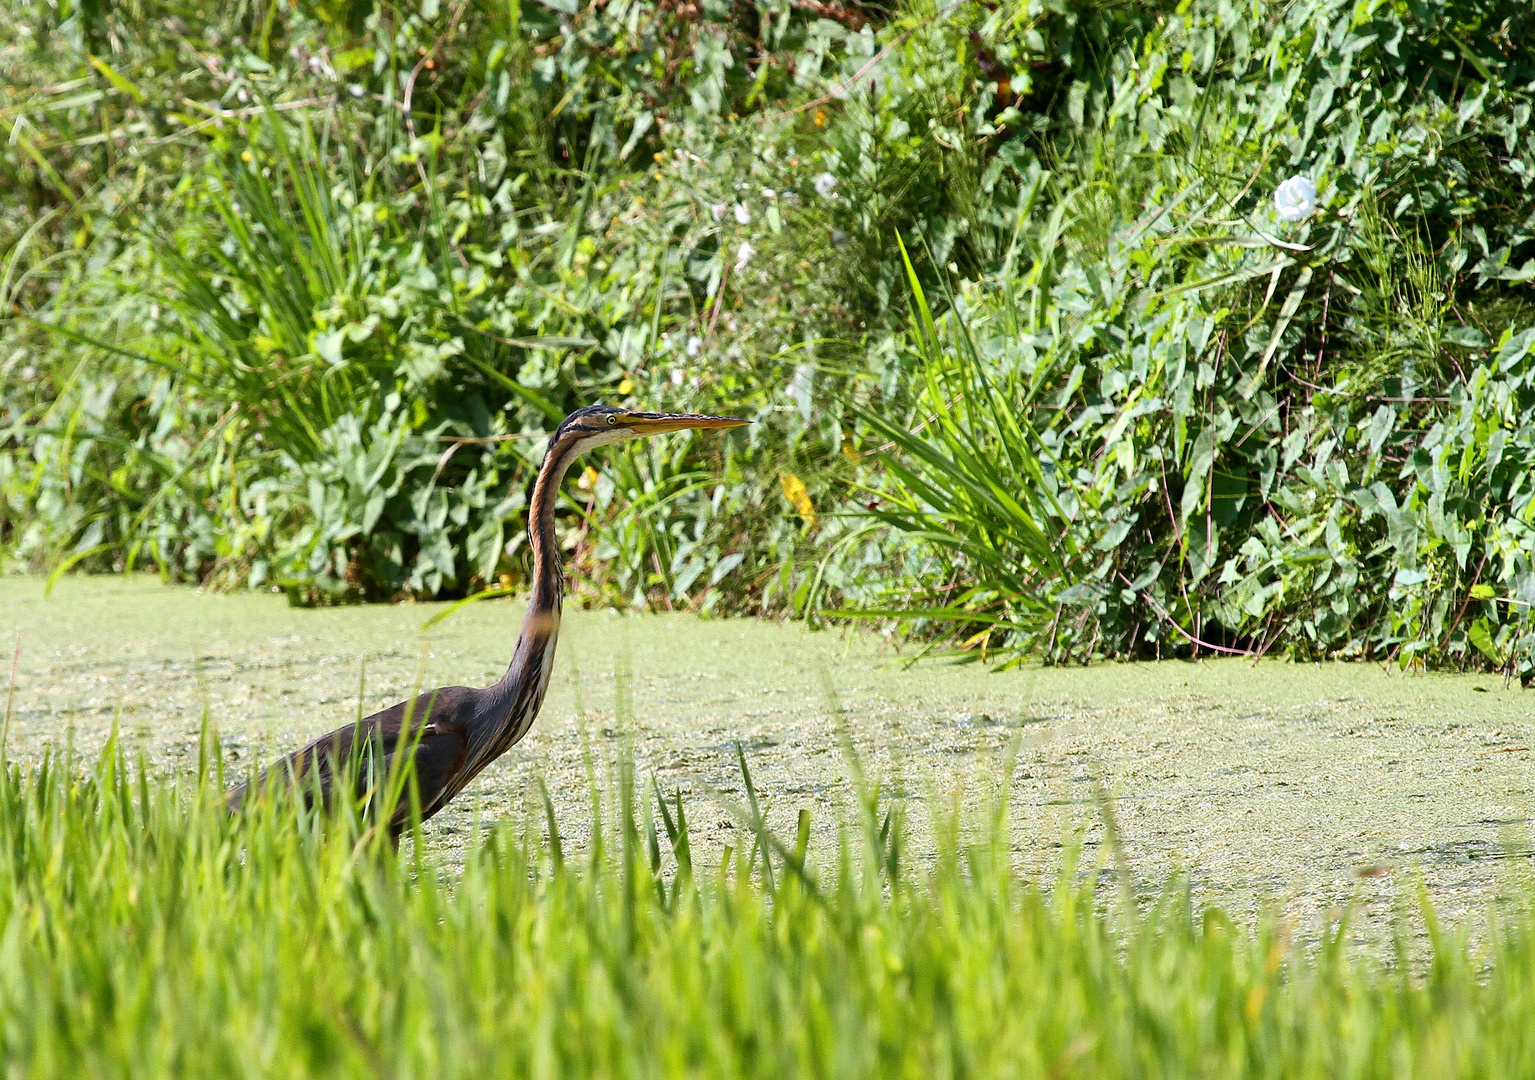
612	419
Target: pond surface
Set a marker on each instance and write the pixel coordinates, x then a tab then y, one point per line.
1306	786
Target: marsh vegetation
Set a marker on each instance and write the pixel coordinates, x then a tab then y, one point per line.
1072	330
1039	365
147	932
1316	870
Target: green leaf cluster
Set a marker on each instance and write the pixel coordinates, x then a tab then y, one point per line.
1250	434
292	295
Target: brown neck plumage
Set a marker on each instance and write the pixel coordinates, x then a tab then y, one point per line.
514	700
548	574
541	621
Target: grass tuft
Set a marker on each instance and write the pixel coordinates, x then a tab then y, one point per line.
146	931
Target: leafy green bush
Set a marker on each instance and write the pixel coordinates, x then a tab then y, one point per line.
1307	436
364	287
309	325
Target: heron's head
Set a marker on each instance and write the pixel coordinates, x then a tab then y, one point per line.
602	425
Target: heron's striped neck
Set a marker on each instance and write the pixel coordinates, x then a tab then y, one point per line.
548	574
514	700
541	622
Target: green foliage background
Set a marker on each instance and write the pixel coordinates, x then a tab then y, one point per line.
292	292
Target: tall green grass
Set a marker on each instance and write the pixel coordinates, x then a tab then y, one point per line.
291	249
146	932
973	486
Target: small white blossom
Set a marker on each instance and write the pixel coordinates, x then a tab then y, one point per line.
718	210
695	346
1295	199
356	90
744	255
825	184
28	373
243	95
743	215
769	193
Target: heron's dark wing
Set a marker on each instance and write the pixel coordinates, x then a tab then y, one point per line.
439	757
431	729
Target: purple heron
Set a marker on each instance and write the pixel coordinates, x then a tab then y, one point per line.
450	734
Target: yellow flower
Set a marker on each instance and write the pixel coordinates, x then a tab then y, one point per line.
245	156
820	118
626	387
794	491
588	479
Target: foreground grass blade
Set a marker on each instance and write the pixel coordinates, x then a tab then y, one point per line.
147	932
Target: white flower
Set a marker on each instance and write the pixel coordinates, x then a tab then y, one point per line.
718	210
1295	199
356	90
695	346
744	255
825	184
243	95
769	193
743	215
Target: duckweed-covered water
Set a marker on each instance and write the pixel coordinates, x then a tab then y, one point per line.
1309	786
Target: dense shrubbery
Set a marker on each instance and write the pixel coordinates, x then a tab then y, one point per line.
292	293
1312	436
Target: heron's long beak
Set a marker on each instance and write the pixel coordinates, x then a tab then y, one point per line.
658	423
